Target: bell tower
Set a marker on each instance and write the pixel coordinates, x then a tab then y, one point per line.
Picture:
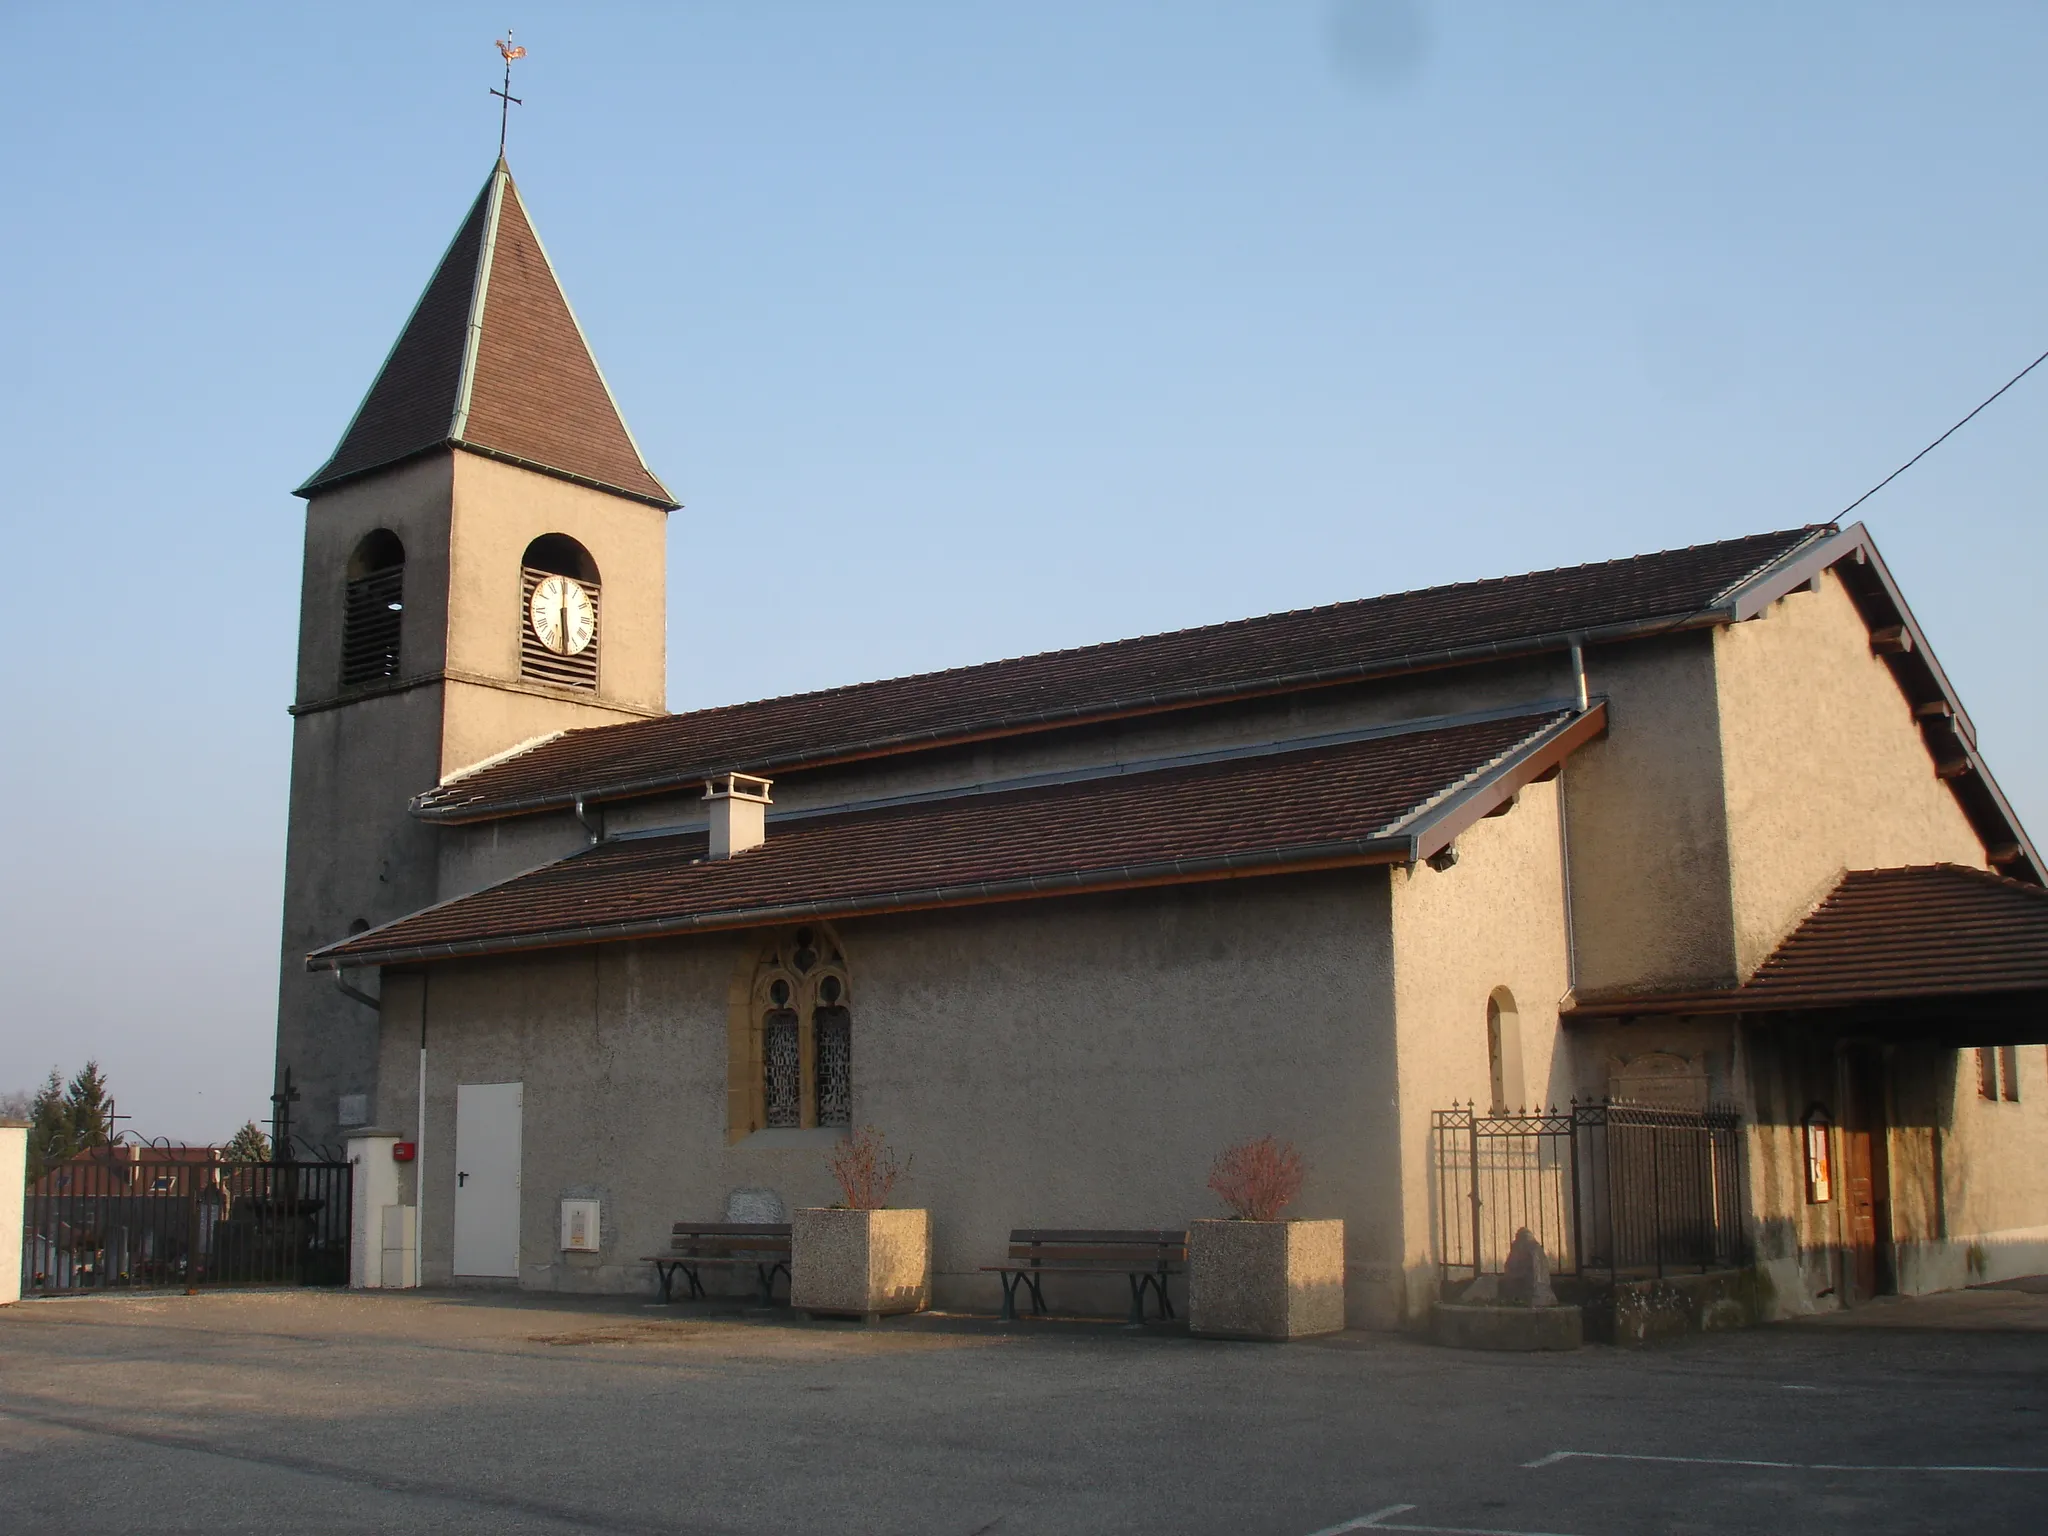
484	564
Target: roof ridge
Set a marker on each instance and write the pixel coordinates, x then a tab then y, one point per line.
1221	625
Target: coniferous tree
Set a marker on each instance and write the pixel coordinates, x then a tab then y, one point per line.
249	1145
88	1112
49	1130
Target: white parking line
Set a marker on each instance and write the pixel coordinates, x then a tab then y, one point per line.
1378	1521
1781	1466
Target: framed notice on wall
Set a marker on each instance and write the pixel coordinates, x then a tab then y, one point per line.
1820	1162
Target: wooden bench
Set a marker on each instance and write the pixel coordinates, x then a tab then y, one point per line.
1145	1258
695	1245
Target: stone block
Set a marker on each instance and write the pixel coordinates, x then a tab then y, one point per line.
1274	1280
860	1263
1478	1326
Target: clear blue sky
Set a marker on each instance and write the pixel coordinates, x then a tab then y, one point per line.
966	331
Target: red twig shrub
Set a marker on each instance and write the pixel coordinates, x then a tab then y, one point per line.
866	1170
1257	1179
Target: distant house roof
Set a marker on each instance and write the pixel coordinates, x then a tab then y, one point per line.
127	1169
1437	626
1925	933
492	361
1380	796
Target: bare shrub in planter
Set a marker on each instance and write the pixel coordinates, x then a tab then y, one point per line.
866	1170
1257	1180
856	1258
1254	1276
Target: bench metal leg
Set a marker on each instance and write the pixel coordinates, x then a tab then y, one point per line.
1009	1312
666	1274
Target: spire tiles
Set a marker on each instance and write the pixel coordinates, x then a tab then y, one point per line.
493	361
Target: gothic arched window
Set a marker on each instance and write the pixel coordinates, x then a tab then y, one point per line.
373	609
802	1013
558	612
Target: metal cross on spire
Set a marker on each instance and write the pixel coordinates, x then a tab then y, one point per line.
506	100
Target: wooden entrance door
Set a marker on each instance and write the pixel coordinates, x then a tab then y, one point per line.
1866	1183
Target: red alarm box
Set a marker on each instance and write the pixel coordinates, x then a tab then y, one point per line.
402	1151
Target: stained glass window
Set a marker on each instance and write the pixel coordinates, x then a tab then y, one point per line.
782	1069
834	1032
803	1016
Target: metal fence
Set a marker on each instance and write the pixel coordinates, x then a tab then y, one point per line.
155	1216
1609	1188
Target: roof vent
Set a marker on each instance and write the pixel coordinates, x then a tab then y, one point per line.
739	813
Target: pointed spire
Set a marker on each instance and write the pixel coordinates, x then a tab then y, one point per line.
492	361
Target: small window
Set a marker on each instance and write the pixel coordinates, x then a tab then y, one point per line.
1998	1073
373	610
559	602
1504	1051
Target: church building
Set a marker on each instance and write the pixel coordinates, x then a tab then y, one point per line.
1699	839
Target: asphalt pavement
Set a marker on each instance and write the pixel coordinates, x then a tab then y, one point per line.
459	1412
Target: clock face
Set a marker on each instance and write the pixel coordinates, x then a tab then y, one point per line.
563	617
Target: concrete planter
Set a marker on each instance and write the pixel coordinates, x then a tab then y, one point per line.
1273	1280
860	1263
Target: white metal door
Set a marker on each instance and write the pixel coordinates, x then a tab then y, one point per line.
487	1124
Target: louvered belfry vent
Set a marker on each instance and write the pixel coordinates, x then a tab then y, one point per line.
373	613
537	662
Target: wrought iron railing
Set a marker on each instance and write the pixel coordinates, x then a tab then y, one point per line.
1612	1189
129	1215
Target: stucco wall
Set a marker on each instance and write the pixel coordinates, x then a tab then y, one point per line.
352	851
1050	1063
500	509
1995	1165
1494	919
1648	827
412	502
1824	766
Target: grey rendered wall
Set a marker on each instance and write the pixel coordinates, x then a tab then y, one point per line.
1048	1063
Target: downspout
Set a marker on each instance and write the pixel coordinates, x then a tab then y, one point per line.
376	1005
593	826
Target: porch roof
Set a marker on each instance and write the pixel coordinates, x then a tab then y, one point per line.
1388	795
1923	940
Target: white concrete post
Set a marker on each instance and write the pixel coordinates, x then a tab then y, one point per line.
13	1185
375	1216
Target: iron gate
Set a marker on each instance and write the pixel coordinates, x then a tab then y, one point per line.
129	1215
1614	1189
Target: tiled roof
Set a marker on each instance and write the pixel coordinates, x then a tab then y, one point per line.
1374	637
1889	935
1358	801
528	391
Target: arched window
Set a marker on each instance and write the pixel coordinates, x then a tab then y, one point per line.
1504	1051
373	610
558	612
802	1012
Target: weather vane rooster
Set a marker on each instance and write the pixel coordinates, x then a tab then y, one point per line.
506	100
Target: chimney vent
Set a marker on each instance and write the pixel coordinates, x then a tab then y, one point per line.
739	813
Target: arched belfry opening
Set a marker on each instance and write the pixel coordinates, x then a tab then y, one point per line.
373	610
559	599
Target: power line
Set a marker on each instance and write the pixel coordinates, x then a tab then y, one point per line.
1951	432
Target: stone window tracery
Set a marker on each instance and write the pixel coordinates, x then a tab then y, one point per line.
802	1018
